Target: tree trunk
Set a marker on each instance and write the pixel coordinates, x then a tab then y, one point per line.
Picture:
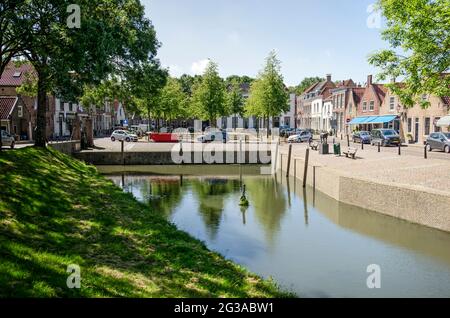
267	126
41	123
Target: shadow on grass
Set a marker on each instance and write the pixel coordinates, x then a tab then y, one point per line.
56	211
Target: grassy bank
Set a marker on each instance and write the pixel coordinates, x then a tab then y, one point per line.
56	211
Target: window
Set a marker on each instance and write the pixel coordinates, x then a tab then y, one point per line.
17	74
392	103
409	124
372	105
342	101
20	111
437	128
427	125
364	106
70	107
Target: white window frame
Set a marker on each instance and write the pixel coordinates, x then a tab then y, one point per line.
392	103
371	105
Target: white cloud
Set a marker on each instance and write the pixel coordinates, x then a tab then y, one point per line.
198	68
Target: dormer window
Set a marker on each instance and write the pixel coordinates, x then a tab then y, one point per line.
17	74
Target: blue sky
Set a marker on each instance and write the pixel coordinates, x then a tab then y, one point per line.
311	37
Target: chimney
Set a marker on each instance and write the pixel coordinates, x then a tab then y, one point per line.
328	77
369	80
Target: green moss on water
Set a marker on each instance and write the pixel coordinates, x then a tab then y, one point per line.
56	211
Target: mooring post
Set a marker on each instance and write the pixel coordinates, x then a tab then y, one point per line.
122	152
289	161
425	155
305	172
314	178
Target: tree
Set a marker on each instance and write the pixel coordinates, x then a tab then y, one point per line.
419	34
113	36
172	101
145	83
235	100
304	84
187	83
239	79
208	100
268	94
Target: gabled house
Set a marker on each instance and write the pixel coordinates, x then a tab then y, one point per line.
13	77
310	104
15	117
353	103
340	96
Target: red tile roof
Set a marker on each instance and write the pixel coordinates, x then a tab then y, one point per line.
8	78
358	93
6	105
446	100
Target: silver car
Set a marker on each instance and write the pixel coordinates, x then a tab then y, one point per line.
439	140
303	136
123	135
7	139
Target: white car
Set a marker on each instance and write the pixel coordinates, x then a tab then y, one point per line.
123	135
214	135
304	136
7	139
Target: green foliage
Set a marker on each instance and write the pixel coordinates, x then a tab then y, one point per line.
268	94
172	102
208	100
187	83
419	33
304	84
238	79
235	100
56	211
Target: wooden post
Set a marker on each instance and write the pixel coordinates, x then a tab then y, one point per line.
289	161
379	147
348	140
305	172
314	178
122	151
425	155
362	144
400	149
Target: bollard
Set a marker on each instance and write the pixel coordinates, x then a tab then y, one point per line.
362	144
425	154
305	172
289	161
342	137
379	146
400	149
348	140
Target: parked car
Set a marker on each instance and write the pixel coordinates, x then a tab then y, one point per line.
361	136
214	135
439	141
137	130
303	136
7	139
386	137
123	135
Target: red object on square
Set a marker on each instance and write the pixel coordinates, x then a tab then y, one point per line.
163	137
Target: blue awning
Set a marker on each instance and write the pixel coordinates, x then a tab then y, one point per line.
357	120
372	119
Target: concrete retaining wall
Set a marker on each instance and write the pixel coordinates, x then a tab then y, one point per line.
167	158
423	206
67	147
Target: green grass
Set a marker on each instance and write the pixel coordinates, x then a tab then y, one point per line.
56	211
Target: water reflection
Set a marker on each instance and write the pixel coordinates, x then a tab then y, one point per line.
307	241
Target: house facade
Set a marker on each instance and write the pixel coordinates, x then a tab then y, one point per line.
311	102
13	77
15	117
340	97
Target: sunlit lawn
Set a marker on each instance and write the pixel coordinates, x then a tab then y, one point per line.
56	211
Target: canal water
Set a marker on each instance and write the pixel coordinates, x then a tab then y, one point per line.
307	242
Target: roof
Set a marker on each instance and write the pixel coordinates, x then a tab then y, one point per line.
8	77
7	104
381	90
358	93
446	100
